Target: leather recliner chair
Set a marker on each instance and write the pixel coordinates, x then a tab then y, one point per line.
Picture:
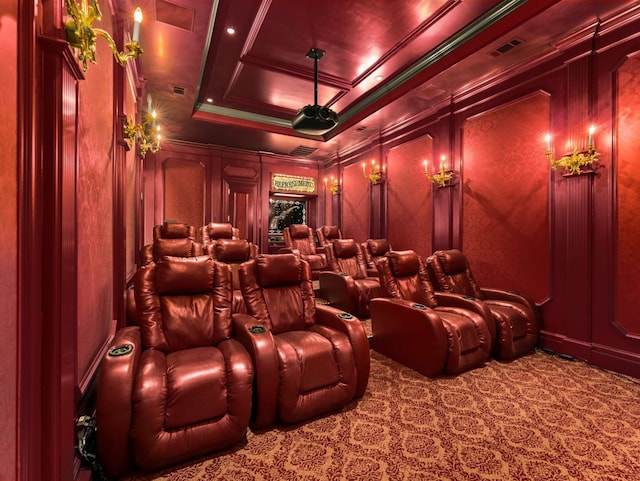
207	234
327	234
178	386
309	359
427	331
347	285
517	318
233	252
299	240
374	249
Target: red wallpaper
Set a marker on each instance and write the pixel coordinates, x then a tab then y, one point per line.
8	240
184	184
328	197
628	201
355	204
409	197
94	221
505	197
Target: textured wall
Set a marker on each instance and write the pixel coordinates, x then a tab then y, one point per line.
184	191
95	204
8	240
410	208
628	197
355	204
505	202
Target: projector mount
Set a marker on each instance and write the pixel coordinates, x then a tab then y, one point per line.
314	119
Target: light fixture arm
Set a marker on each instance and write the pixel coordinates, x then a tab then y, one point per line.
316	55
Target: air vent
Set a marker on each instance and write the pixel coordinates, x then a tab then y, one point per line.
506	47
178	90
175	15
302	151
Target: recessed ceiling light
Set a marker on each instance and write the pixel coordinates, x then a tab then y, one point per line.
379	77
209	99
231	30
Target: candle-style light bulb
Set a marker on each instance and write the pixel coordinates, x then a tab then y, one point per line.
425	164
154	116
137	20
548	139
442	159
592	129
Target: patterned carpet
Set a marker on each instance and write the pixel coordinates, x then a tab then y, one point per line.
536	418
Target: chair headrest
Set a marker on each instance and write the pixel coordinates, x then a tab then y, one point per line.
184	275
181	247
378	247
278	269
345	248
232	250
452	261
175	230
299	231
404	263
330	231
217	230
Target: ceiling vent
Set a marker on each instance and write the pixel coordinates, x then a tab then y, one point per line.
506	47
302	151
178	90
175	15
314	119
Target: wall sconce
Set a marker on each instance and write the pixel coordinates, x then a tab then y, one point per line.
444	178
375	175
82	36
147	134
577	161
333	187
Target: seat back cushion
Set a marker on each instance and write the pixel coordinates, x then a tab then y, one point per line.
170	230
218	230
278	291
347	257
403	275
183	302
450	272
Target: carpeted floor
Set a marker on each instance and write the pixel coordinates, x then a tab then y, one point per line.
536	418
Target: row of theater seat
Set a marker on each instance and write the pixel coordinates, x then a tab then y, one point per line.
193	375
225	339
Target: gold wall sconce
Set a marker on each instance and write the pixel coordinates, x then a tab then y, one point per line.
375	174
146	134
82	36
333	186
575	162
443	178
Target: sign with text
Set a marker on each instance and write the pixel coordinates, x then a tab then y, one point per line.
293	183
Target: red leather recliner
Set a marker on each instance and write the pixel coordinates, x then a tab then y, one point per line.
517	318
177	386
327	234
309	359
347	286
299	240
374	249
207	234
427	331
233	252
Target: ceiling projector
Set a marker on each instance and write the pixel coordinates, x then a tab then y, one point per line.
314	119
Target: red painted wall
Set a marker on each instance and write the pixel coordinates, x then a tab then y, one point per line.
505	223
95	220
8	240
355	203
410	199
628	197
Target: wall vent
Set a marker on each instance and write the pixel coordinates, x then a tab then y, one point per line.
502	49
302	151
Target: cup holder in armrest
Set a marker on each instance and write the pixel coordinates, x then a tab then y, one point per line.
345	315
421	307
257	329
121	350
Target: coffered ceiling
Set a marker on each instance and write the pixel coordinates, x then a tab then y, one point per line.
387	62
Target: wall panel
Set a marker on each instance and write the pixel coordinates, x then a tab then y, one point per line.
355	203
505	197
410	217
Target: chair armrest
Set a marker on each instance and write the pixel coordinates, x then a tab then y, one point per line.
339	290
352	327
114	403
258	340
513	296
409	333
